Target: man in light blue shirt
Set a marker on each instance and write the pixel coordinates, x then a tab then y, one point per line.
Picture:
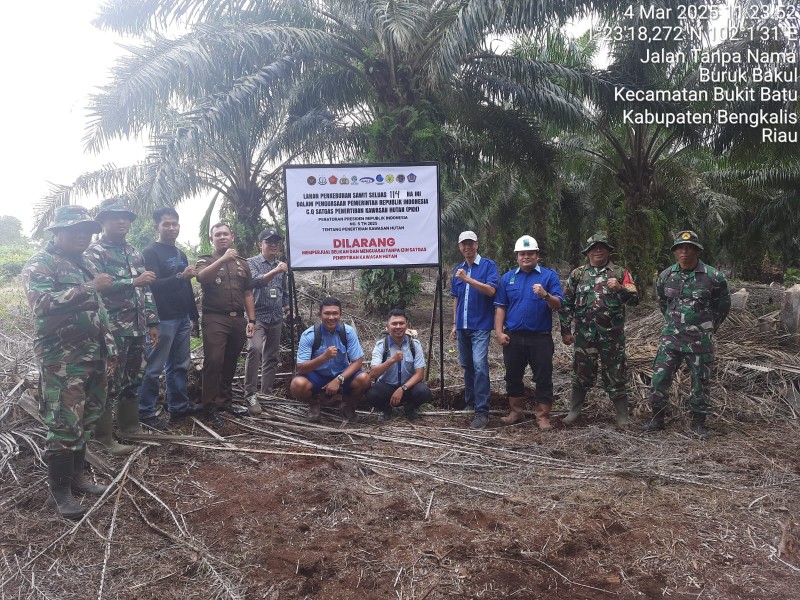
329	359
473	287
398	367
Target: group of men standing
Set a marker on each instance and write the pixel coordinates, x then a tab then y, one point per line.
693	297
109	321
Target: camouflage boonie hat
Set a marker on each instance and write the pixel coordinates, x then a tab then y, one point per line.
111	206
597	238
71	215
686	237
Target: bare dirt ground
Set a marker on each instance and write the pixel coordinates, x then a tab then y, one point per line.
279	508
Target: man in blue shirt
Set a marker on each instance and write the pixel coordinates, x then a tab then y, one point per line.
398	371
473	287
523	323
329	358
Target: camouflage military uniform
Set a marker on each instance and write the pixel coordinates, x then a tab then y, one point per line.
599	318
131	310
694	304
72	344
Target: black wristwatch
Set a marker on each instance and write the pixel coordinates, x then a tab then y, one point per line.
404	387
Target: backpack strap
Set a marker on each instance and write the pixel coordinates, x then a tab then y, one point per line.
410	344
318	338
385	348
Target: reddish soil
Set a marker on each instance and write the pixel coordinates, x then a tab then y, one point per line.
605	514
427	511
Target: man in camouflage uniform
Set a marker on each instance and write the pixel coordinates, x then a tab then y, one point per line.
595	298
132	314
695	300
73	348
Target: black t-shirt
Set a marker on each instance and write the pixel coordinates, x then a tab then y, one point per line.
174	297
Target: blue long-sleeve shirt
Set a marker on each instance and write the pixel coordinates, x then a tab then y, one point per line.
525	311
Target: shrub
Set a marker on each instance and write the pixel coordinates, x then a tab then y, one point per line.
791	277
385	289
12	259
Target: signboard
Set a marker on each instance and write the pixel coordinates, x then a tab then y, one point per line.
359	216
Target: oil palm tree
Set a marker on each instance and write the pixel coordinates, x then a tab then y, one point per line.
761	172
642	161
403	80
388	81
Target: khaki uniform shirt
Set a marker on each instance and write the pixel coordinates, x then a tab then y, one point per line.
225	293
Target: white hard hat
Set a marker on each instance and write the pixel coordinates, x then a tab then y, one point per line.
526	243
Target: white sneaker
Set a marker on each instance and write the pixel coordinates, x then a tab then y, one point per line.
253	407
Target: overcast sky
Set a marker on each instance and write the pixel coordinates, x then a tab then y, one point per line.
52	60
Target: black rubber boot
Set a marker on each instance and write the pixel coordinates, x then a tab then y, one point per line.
60	468
575	406
81	483
699	425
657	422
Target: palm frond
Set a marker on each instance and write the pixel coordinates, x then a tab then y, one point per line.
105	182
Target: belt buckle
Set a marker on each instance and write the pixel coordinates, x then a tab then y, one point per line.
233	313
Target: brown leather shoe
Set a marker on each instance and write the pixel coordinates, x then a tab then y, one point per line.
543	416
517	414
348	409
313	410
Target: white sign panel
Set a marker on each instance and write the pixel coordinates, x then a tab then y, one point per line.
355	216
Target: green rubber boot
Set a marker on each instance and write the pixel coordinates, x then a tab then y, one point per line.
104	434
128	416
575	406
621	411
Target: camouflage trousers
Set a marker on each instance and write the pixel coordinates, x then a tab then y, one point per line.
72	396
124	385
609	355
667	362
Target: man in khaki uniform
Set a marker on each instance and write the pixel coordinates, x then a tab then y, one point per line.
227	295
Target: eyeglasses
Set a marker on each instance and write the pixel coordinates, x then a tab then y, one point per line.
526	253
